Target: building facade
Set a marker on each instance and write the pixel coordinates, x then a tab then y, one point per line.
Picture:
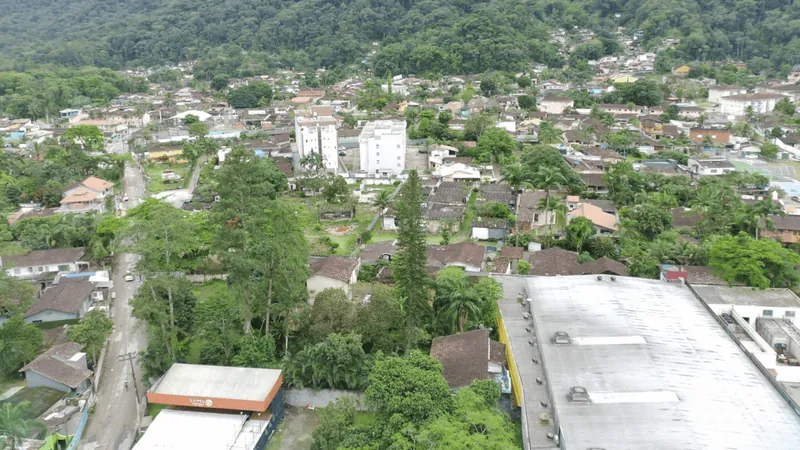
315	132
382	145
738	105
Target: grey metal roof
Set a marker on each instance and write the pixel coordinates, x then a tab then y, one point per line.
747	296
660	371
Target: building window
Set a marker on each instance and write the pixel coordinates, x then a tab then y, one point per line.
789	314
377	153
63	268
398	165
30	269
767	313
378	161
41	269
398	158
17	271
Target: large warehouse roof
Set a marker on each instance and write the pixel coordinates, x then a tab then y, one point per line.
236	388
200	430
659	370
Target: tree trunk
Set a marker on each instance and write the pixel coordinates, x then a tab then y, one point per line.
171	309
461	319
248	314
269	307
167	343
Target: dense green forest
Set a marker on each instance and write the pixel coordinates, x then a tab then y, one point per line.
243	37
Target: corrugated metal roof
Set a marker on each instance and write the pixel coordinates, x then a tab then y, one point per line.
724	401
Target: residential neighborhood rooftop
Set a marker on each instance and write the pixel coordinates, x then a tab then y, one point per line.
59	364
41	257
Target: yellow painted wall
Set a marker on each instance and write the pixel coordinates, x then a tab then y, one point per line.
516	384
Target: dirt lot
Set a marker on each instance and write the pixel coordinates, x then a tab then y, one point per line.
295	431
415	159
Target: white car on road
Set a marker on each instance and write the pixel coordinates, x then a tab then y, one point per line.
129	277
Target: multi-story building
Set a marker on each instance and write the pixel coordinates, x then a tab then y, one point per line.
382	145
315	132
738	105
716	93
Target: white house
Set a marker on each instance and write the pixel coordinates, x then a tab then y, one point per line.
382	145
315	132
332	272
40	263
716	93
761	102
555	105
458	172
705	167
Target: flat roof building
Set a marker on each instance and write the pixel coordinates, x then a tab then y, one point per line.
218	387
627	363
174	429
214	408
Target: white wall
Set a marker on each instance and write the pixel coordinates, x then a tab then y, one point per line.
715	95
754	312
382	147
25	273
317	284
328	144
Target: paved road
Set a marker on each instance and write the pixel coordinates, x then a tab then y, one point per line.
113	424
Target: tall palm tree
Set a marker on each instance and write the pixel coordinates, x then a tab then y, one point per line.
383	200
15	427
548	177
459	301
516	175
761	211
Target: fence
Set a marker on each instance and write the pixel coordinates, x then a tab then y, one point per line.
76	438
321	398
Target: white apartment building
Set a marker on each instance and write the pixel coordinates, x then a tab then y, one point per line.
555	105
315	132
382	145
715	93
762	103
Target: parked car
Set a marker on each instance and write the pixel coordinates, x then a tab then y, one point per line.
129	277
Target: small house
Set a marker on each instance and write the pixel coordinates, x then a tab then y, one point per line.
335	272
63	367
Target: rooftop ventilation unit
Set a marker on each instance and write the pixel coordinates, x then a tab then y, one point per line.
578	394
561	338
599	278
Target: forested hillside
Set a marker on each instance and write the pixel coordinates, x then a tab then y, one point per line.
454	36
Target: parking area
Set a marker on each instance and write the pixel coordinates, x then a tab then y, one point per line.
416	160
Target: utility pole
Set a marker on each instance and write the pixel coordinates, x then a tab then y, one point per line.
130	357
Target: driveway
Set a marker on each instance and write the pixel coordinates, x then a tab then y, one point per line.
113	424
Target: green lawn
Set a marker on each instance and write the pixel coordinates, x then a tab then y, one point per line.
40	398
7	383
155	185
209	289
469	214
